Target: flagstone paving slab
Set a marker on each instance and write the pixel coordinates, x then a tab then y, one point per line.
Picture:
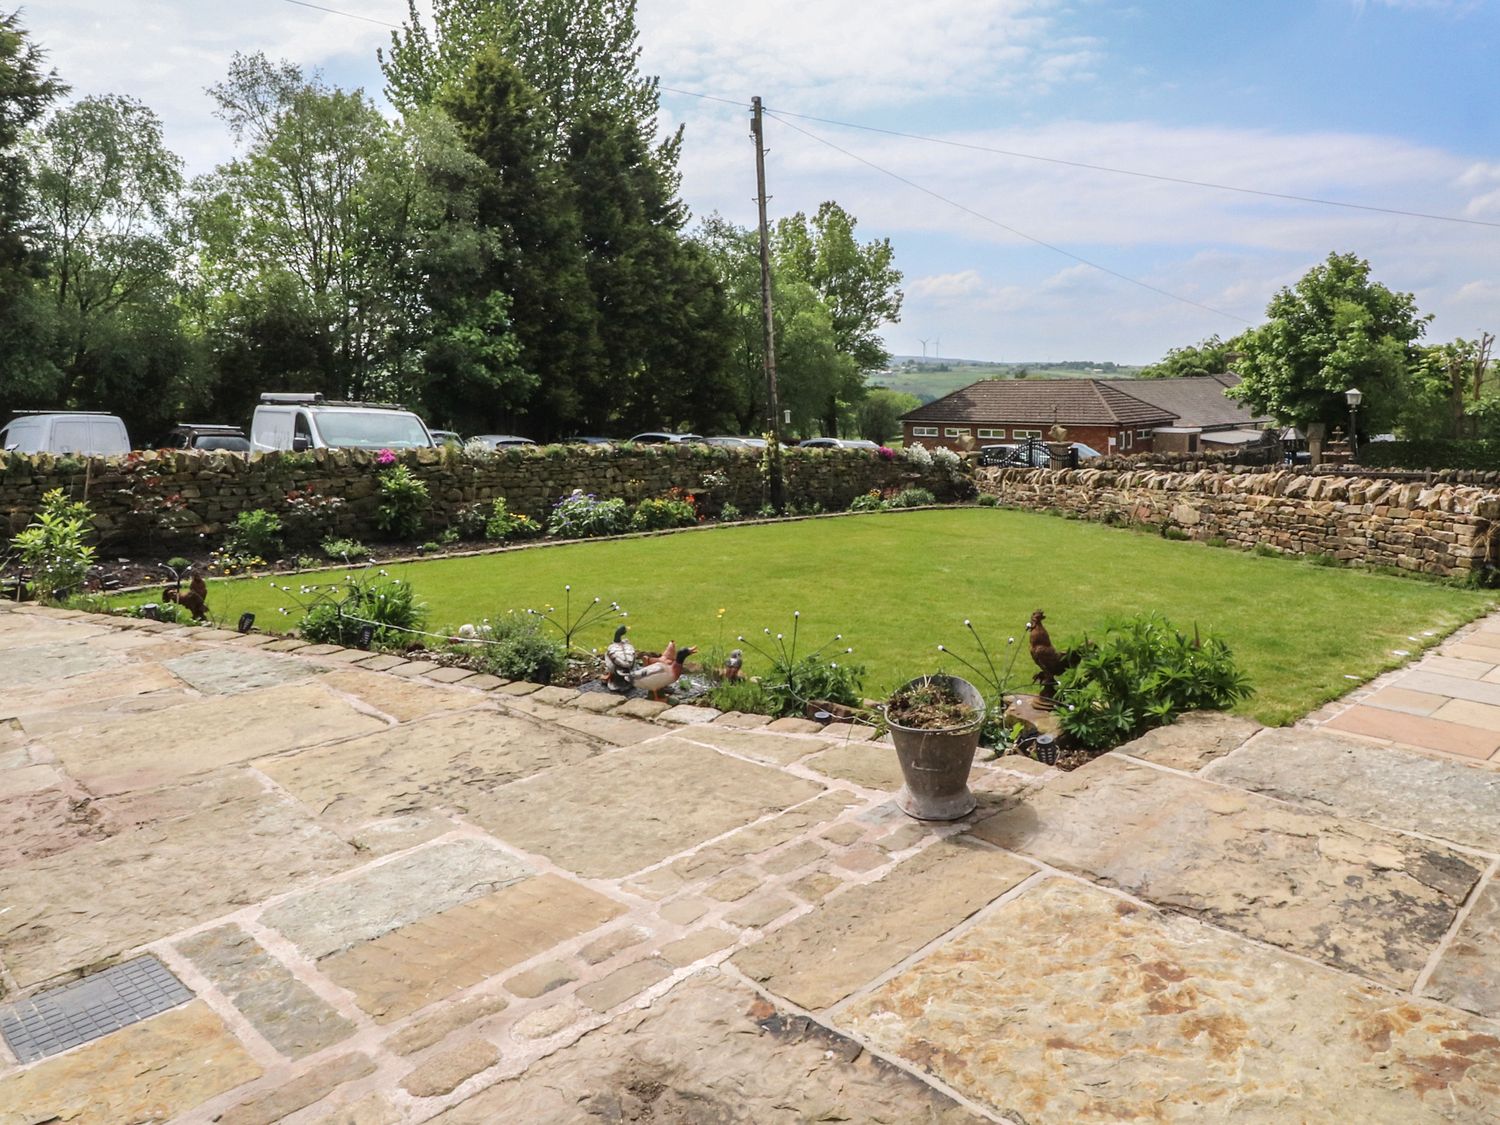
335	916
280	1103
1418	730
448	1070
870	764
656	800
820	958
148	750
1068	1004
227	671
97	899
1193	740
48	663
407	969
451	761
1380	784
1352	895
743	1063
1468	974
291	1017
766	748
403	700
51	705
425	1030
157	1069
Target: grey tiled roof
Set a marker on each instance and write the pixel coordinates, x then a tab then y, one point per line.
1069	402
1196	401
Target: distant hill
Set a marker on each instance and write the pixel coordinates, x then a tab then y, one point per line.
930	379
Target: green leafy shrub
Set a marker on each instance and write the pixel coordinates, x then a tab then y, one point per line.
729	513
663	513
1143	674
52	546
1435	453
868	502
469	520
504	524
256	532
517	647
741	695
793	681
912	498
345	550
338	612
404	501
582	515
987	500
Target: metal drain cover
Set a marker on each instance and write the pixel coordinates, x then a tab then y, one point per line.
54	1021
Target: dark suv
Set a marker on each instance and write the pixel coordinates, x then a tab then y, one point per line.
206	436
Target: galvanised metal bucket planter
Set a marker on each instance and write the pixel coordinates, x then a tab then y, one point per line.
935	763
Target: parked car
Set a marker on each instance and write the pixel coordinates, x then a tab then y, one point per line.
443	437
836	443
727	441
70	431
309	421
502	441
207	436
590	441
661	437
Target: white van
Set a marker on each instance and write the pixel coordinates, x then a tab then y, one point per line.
81	432
309	421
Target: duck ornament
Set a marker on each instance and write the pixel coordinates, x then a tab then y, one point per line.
619	662
662	672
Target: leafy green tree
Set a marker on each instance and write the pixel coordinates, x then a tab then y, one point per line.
879	414
106	193
1335	329
1449	395
1212	356
858	284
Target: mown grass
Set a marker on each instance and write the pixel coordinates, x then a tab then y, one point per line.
897	585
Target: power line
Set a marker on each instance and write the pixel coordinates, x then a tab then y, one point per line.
346	15
1010	229
782	114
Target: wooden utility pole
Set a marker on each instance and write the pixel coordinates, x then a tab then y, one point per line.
773	406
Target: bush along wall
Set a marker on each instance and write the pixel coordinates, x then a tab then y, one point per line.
1435	454
1439	529
165	499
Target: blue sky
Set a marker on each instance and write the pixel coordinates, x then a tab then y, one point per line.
1383	102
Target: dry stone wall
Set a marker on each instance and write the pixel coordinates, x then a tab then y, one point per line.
171	499
1442	529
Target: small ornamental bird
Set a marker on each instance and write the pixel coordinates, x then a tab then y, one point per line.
733	664
1049	661
195	601
663	672
619	661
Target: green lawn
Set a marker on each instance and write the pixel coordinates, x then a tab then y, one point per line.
897	585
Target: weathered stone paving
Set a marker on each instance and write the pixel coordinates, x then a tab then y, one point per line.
1340	890
402	896
1155	1017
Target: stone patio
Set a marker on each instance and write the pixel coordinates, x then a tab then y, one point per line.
397	895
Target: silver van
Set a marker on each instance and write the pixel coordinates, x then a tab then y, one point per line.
74	431
309	421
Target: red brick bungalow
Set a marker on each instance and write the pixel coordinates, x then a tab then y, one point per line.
1012	410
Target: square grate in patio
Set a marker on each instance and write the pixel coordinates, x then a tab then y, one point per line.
54	1021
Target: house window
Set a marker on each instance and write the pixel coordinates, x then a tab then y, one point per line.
992	433
956	431
1129	440
1020	435
1143	434
924	431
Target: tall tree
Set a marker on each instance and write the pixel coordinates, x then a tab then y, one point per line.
858	284
26	89
879	415
107	190
1335	329
1211	356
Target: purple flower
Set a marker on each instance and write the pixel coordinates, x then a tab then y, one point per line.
886	453
385	457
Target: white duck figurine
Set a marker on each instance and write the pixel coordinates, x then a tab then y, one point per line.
662	672
619	661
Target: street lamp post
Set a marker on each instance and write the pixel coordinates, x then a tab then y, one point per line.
1353	396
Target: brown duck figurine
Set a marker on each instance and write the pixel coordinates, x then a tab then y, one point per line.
662	672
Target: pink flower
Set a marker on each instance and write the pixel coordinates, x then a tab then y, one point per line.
885	453
385	457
